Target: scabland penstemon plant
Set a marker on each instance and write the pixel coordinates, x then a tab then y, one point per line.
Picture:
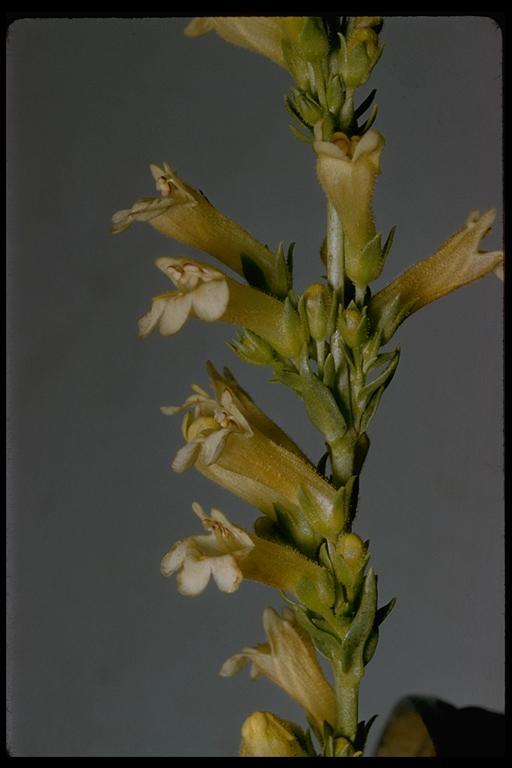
326	344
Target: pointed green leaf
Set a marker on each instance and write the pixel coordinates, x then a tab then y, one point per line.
321	408
365	104
359	631
299	135
382	380
384	611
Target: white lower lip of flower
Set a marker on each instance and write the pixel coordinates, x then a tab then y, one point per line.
170	311
198	558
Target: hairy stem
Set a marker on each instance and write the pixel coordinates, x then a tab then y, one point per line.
347	698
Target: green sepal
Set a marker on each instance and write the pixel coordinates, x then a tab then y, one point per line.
370	410
365	265
313	513
329	373
317	594
324	640
284	375
295	530
355	638
335	94
282	276
299	135
252	348
365	104
293	109
369	121
389	242
371	646
254	274
384	611
292	327
321	407
377	361
381	381
363	729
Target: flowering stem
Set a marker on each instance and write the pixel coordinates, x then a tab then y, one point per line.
335	251
347	697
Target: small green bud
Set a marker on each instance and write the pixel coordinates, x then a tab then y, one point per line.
253	349
353	550
335	94
318	301
292	329
364	266
358	55
353	326
310	110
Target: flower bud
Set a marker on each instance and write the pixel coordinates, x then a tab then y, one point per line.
266	735
364	266
353	326
353	550
335	94
253	349
309	109
358	55
318	300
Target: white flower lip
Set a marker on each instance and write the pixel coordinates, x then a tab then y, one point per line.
202	292
198	558
289	660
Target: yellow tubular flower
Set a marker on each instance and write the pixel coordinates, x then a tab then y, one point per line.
226	444
185	214
229	554
457	262
347	169
261	34
208	294
289	660
266	735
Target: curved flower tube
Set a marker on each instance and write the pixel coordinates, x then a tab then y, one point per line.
457	262
288	659
261	34
208	294
230	554
227	447
184	214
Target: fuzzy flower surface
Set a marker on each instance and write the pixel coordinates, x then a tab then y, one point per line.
288	659
237	447
347	169
260	34
185	214
456	263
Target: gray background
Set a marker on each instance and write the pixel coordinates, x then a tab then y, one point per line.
104	656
